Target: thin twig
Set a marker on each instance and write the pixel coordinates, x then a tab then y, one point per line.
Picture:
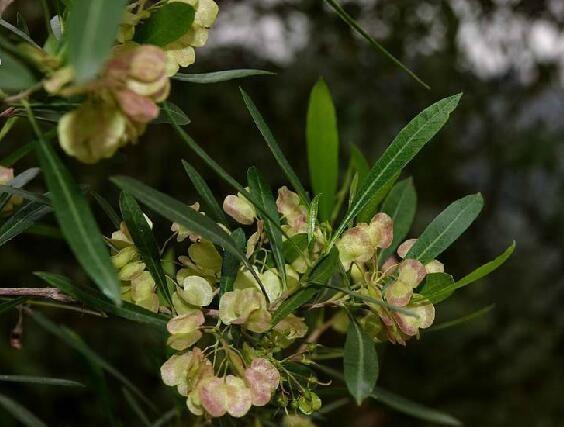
48	293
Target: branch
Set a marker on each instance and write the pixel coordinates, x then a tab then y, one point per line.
47	293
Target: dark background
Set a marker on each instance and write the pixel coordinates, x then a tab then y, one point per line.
505	140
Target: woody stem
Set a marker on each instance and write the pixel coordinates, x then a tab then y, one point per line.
47	293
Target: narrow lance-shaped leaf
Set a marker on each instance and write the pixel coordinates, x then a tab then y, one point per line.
107	208
400	205
22	220
24	194
40	380
437	287
299	298
358	163
413	409
7	126
262	191
487	268
274	147
135	407
403	149
322	137
205	193
8	305
25	149
17	183
15	30
463	319
73	340
373	205
355	26
20	413
218	169
91	30
176	211
312	218
360	362
294	247
76	220
14	74
440	293
231	263
142	235
91	298
446	228
219	76
166	24
320	275
179	116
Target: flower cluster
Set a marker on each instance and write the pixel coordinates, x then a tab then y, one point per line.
228	354
115	108
181	52
118	106
138	285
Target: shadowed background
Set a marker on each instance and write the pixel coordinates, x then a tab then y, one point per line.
505	140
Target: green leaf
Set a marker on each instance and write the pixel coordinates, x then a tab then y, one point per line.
372	206
93	299
108	209
437	287
73	340
400	205
8	305
217	168
365	298
18	182
176	211
165	418
135	407
296	300
463	319
322	137
20	413
219	76
325	268
179	116
446	228
355	26
91	30
40	380
44	230
205	192
312	218
142	235
14	74
22	220
293	247
274	147
7	127
260	189
413	409
487	268
358	163
360	363
443	292
403	149
15	30
76	220
165	25
231	263
26	195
